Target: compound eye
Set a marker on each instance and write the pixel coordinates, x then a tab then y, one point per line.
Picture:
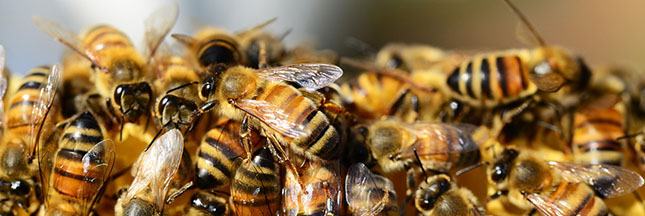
20	188
395	62
164	102
499	172
207	88
118	92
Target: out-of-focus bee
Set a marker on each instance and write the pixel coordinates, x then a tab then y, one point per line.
494	79
307	53
554	188
369	194
255	189
216	158
120	72
253	40
21	129
263	100
440	146
205	203
76	84
408	57
75	163
320	194
155	170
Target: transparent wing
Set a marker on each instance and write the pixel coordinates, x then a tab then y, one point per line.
607	180
47	149
273	116
41	109
256	28
157	25
156	168
366	193
524	35
549	207
440	139
3	88
64	36
185	39
309	76
97	166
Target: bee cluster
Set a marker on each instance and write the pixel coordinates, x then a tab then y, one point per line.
224	123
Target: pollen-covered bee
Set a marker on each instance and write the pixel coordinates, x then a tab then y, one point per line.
321	193
119	71
155	170
29	109
255	188
554	188
493	79
75	163
369	194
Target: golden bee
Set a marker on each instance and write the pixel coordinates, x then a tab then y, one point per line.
119	71
369	194
255	188
320	194
154	173
554	188
28	112
75	163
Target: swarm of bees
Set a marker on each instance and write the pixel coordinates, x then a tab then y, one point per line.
223	123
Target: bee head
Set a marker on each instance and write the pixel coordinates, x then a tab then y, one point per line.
429	191
500	169
556	67
177	109
133	99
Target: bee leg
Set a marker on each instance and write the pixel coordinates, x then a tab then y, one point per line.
285	158
244	135
179	192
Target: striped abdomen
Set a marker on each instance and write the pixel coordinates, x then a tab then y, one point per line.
205	203
71	178
594	136
374	95
323	195
453	140
491	80
217	153
103	37
218	49
375	188
255	189
322	143
22	103
579	197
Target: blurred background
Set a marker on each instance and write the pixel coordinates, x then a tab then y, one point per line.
604	32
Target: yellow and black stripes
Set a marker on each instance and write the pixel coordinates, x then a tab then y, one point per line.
490	80
454	141
218	49
595	133
323	140
580	198
100	37
255	189
23	101
216	156
323	188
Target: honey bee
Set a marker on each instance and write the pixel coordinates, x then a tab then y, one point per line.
205	203
441	146
500	78
119	71
307	53
255	189
253	40
262	99
155	170
554	188
75	164
22	126
76	84
369	194
408	57
321	194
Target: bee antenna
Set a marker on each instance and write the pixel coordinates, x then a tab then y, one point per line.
285	34
629	136
181	86
526	22
416	155
156	136
467	169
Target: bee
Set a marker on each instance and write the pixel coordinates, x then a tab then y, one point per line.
76	84
119	71
321	194
262	99
408	57
369	194
253	40
22	125
306	54
216	157
554	188
75	164
154	174
255	189
205	203
501	78
441	146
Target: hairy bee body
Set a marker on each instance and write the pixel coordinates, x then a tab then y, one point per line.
205	203
440	196
321	194
255	189
213	46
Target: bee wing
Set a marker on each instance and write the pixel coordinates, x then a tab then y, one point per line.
42	107
549	207
157	166
256	28
458	136
309	76
157	26
273	116
366	193
47	149
3	88
66	37
524	35
97	164
606	180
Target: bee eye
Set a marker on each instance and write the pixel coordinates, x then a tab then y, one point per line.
20	187
395	62
499	172
164	102
117	94
206	90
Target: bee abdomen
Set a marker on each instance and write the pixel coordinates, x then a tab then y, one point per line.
71	179
595	136
256	186
219	49
216	156
25	99
580	198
